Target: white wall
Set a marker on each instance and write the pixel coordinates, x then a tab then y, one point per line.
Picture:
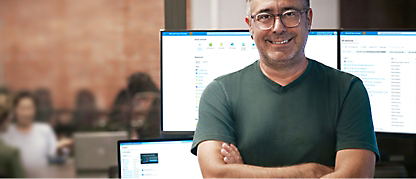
229	14
326	14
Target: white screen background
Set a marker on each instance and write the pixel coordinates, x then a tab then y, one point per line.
182	56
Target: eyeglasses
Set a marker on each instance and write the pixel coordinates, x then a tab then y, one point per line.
290	19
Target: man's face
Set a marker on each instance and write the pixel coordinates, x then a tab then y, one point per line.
280	53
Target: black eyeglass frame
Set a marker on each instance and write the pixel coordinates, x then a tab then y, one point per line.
280	18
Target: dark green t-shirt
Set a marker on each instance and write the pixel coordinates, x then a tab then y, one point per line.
309	120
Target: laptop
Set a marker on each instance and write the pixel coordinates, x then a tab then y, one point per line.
157	158
96	151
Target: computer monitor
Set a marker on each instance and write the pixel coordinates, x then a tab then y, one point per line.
190	60
386	63
161	158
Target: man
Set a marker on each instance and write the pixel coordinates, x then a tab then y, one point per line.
284	115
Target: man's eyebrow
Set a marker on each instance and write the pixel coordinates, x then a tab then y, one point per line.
290	8
282	9
264	10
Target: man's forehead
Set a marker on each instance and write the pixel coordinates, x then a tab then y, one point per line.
275	5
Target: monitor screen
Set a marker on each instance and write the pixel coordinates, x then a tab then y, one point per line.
386	63
158	159
190	60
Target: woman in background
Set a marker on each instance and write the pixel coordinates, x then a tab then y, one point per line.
36	141
120	114
85	112
44	108
145	107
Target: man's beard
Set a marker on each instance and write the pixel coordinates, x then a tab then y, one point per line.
284	64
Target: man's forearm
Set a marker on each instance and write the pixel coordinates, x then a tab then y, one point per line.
348	174
309	170
354	163
213	165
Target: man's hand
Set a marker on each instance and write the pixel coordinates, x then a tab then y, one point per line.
231	154
319	169
212	154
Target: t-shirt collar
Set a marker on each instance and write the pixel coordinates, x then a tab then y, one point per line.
279	88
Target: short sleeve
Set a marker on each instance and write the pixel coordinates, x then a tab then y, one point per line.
52	141
215	121
354	127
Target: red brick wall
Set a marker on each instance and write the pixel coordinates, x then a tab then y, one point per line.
68	45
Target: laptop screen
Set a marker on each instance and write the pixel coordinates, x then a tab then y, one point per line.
158	159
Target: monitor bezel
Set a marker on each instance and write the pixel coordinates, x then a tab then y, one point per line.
379	134
161	76
235	30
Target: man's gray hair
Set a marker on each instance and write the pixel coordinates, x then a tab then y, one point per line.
306	4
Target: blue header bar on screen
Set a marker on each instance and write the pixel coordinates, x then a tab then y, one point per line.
381	33
234	33
158	142
323	33
175	33
206	33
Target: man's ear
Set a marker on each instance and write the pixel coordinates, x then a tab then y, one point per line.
248	22
247	19
309	17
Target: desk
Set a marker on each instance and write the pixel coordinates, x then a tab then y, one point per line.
66	170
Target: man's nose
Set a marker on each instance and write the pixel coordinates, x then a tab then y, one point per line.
278	26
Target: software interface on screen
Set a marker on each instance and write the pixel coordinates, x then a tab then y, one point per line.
191	60
167	159
386	63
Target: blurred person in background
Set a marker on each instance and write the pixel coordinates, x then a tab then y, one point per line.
64	129
44	105
35	140
85	110
120	114
5	96
101	122
145	115
63	124
10	161
145	107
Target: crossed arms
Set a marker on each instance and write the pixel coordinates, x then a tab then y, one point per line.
220	160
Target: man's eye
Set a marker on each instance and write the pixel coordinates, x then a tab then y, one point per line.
264	16
289	14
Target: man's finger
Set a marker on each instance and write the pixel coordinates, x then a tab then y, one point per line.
227	156
230	150
225	153
235	149
227	161
234	153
